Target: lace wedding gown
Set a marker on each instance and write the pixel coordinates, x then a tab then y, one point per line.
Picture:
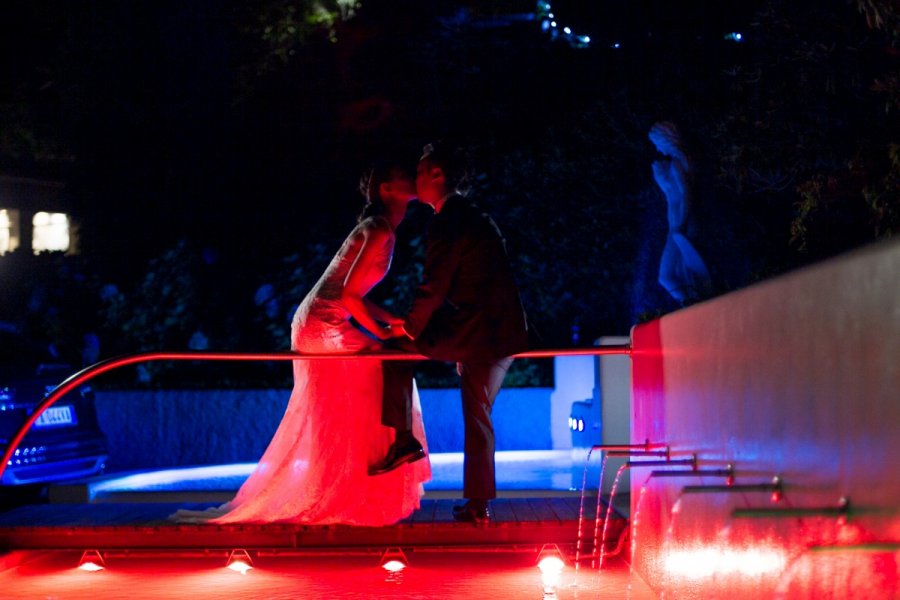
315	468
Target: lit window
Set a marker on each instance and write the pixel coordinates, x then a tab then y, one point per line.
51	232
9	230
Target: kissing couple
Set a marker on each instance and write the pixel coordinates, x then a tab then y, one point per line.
351	447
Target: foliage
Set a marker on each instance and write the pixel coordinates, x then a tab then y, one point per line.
278	297
785	129
804	130
793	132
881	14
53	299
275	31
566	250
883	198
32	127
162	312
24	137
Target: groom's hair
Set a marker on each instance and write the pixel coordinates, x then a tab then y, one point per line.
451	161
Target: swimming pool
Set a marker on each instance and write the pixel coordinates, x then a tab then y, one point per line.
519	470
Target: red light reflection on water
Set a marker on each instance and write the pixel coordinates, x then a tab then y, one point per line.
710	562
865	571
840	572
463	576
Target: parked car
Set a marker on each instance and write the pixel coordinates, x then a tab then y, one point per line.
66	441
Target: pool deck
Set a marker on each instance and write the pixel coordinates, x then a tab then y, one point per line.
40	543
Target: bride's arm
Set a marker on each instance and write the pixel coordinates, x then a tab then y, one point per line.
366	271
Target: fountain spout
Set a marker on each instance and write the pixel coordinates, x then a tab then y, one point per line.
690	462
775	487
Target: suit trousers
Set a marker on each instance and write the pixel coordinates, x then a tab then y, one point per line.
480	383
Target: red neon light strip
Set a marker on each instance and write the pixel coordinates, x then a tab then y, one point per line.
109	364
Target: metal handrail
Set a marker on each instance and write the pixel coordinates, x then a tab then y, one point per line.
109	364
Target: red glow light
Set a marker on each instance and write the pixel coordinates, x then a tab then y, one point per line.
393	566
393	560
239	561
240	566
551	564
708	562
91	561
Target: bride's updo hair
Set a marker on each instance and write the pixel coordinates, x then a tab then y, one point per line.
370	183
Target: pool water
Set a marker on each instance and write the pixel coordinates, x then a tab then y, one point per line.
550	470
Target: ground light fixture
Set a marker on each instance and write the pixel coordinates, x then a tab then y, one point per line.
551	563
239	560
91	561
394	561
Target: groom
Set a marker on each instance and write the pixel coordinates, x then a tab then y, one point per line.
466	310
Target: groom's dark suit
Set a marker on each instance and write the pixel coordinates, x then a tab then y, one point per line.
466	310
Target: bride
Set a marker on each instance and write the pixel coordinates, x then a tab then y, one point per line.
315	468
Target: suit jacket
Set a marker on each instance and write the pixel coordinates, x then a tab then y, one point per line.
467	307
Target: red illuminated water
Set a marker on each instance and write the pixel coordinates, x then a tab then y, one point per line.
457	575
597	509
578	545
636	521
609	508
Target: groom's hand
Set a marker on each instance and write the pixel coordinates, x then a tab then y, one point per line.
395	322
398	330
388	332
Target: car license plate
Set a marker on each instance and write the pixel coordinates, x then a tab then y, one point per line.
56	416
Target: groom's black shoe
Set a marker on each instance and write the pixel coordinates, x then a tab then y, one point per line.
476	512
402	451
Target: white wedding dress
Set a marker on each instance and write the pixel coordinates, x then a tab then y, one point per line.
314	470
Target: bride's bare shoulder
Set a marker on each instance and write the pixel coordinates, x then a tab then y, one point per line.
375	226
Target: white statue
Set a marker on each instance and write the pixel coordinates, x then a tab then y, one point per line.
682	271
